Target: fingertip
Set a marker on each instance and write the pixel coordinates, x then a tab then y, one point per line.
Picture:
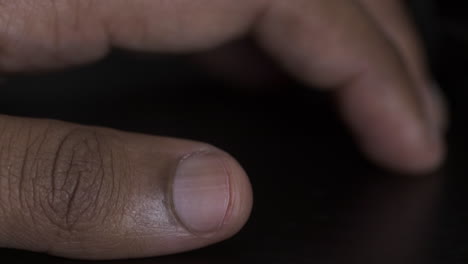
393	131
411	150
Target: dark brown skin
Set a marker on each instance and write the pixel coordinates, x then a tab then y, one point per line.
97	193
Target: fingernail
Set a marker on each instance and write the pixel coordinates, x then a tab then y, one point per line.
201	192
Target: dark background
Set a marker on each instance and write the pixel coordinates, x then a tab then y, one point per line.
317	200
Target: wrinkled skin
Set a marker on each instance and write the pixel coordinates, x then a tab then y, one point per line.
97	193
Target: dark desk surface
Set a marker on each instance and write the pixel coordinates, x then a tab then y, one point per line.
317	200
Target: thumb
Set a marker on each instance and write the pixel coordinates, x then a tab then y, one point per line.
95	193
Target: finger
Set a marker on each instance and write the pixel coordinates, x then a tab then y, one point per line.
327	43
37	35
96	193
393	19
334	43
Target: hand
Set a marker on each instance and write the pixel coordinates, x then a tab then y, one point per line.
97	193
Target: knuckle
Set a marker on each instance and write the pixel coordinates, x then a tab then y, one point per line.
76	176
76	180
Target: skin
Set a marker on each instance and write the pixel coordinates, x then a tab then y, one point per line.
97	193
